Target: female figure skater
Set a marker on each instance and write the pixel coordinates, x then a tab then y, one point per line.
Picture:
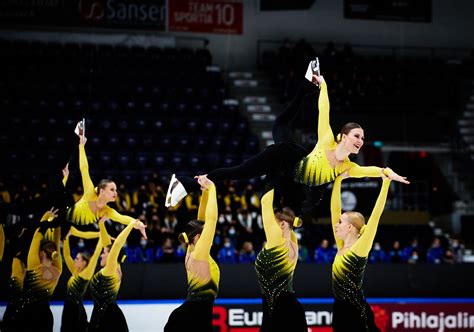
195	314
312	172
275	266
43	270
93	204
82	268
15	289
105	285
354	240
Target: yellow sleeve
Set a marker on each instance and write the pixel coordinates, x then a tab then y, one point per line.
115	216
104	236
356	171
86	179
202	205
88	272
33	254
336	209
272	229
85	235
364	243
65	180
58	261
325	135
111	265
67	255
2	242
203	246
18	269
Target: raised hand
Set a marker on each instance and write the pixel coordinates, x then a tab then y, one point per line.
204	182
51	214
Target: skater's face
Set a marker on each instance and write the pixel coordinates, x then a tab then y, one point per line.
103	257
109	193
79	262
354	140
343	226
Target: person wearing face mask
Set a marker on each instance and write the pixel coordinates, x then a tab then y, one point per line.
354	239
275	266
227	254
195	314
93	204
105	284
304	176
74	317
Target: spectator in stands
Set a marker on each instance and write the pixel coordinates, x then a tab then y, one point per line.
180	252
435	252
250	200
145	251
457	250
246	225
123	202
247	254
414	258
228	253
141	199
166	253
448	257
169	223
377	255
396	254
414	246
303	254
323	253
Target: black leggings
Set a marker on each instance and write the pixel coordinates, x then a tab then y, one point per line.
288	315
191	316
278	159
346	317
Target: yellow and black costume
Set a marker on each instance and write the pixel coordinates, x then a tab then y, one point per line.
203	274
105	285
303	176
81	213
351	311
15	289
34	313
275	268
74	317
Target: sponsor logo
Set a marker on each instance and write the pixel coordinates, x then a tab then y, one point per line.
439	322
116	11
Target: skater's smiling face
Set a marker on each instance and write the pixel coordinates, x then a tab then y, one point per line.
354	140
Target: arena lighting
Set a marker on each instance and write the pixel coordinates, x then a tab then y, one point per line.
378	144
